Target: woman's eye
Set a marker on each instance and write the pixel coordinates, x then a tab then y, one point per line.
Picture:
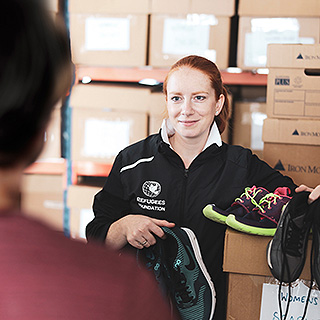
175	99
200	98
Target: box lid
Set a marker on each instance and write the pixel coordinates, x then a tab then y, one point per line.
109	6
113	97
246	254
285	8
301	56
220	8
291	131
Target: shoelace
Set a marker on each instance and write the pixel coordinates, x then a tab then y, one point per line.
249	193
292	242
268	201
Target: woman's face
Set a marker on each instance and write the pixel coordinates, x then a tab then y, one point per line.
191	103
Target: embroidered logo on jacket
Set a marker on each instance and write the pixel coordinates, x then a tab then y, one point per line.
151	188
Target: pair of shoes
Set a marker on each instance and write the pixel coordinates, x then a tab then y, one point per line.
286	251
256	211
241	206
178	266
263	219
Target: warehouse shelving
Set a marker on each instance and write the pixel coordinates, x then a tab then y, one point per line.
56	166
113	74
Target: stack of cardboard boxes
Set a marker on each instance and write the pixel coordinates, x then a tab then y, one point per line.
245	260
105	118
263	22
292	130
291	144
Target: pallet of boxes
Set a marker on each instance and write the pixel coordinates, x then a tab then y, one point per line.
291	135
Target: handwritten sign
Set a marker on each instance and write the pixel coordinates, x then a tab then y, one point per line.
299	294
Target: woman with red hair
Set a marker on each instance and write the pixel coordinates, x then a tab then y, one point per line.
163	183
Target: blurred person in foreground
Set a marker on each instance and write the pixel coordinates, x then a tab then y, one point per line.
43	274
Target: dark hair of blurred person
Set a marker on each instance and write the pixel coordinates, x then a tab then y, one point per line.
43	274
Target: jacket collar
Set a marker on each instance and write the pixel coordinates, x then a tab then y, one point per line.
214	137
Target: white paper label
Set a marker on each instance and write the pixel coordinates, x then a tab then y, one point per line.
270	30
184	37
107	34
299	293
104	138
86	215
256	130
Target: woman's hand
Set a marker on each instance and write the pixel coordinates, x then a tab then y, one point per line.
314	193
138	230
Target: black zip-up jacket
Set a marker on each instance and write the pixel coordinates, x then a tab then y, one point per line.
149	178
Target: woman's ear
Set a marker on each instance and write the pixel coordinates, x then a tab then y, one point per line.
220	104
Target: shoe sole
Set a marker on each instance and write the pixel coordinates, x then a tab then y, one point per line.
234	224
195	245
213	215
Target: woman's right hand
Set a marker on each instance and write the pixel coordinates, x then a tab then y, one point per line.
138	230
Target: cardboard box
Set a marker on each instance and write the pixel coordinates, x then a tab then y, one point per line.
293	89
294	56
293	148
99	134
248	120
52	137
42	198
175	36
216	7
276	8
300	162
297	131
79	201
103	39
109	6
255	33
245	260
108	96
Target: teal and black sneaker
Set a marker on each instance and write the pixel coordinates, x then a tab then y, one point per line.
151	258
190	284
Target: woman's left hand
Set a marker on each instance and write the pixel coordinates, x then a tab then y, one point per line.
314	193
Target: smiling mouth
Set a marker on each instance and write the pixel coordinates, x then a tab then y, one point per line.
188	122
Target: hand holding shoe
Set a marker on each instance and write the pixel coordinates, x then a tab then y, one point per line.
314	193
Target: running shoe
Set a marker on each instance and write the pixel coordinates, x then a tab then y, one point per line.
286	251
191	287
240	207
262	220
316	241
151	258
